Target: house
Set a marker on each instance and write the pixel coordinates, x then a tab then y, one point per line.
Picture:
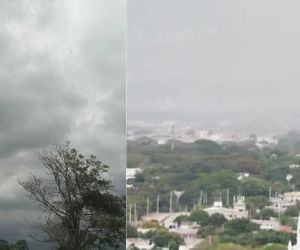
278	204
272	224
242	176
292	197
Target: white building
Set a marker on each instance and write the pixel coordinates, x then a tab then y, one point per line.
131	172
292	197
297	246
238	211
265	142
242	176
279	204
272	224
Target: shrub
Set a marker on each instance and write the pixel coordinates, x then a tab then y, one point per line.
151	224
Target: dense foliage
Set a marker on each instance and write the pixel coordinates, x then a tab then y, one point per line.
199	216
207	169
19	245
163	238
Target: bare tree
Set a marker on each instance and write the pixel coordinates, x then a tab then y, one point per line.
80	210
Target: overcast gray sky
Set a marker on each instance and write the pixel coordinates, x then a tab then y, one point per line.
222	64
62	75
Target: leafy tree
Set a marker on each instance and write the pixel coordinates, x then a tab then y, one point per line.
4	245
287	220
199	216
248	166
253	186
292	211
265	237
80	211
238	226
163	238
256	202
208	147
217	219
20	245
258	239
267	213
173	245
240	239
206	231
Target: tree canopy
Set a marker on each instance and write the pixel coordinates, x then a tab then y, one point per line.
77	202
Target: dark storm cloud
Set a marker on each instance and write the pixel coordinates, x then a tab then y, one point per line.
62	77
206	58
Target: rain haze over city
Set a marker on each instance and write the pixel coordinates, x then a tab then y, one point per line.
221	66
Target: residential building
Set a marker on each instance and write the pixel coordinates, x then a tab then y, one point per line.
292	196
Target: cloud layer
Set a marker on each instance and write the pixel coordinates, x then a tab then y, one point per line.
62	75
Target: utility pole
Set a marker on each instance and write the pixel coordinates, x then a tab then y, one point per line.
172	137
147	207
157	205
227	198
270	193
205	199
201	198
129	213
135	215
171	202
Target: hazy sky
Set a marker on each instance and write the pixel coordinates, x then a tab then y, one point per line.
215	62
62	75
